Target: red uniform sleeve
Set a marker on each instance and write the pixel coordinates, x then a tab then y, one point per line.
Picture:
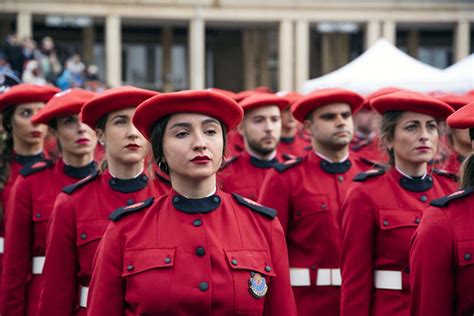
107	294
357	252
432	266
275	193
18	245
280	300
59	288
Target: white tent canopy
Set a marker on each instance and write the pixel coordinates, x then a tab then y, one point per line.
383	65
460	76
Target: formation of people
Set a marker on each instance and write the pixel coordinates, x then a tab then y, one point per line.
212	202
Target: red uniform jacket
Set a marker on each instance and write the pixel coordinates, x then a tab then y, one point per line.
453	163
16	165
79	220
368	147
244	174
380	215
28	211
293	146
235	143
442	258
221	255
307	193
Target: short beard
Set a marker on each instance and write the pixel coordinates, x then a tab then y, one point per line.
255	146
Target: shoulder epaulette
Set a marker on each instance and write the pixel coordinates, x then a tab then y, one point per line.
287	157
444	201
36	167
69	189
445	173
368	174
126	210
280	167
231	160
375	164
254	206
163	179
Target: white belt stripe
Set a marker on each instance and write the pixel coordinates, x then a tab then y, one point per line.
37	265
388	280
2	245
83	296
325	277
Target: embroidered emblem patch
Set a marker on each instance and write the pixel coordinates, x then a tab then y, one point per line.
257	285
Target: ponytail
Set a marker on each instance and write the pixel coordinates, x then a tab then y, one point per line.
467	172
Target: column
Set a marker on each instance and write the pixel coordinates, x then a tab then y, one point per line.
167	45
286	56
249	42
301	54
462	40
113	50
88	44
389	31
24	25
196	52
372	32
413	42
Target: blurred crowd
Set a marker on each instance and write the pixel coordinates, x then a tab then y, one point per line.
39	63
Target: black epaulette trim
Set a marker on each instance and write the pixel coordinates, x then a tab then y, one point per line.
374	164
36	167
230	160
287	157
163	179
444	201
368	174
280	167
126	210
254	206
445	173
69	189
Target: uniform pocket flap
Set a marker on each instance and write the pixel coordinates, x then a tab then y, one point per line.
307	204
42	211
140	260
89	231
465	252
396	218
252	260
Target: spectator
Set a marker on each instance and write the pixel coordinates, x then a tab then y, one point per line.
32	73
14	54
48	59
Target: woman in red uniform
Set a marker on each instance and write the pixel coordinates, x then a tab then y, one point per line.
442	250
23	143
80	213
33	196
196	250
383	208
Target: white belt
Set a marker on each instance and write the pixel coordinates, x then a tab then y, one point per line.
2	245
388	280
83	296
38	264
325	277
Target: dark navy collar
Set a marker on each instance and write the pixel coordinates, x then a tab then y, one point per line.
265	164
80	172
335	167
417	184
24	160
287	140
193	206
129	185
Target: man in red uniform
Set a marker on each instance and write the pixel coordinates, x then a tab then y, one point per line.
261	128
293	141
307	193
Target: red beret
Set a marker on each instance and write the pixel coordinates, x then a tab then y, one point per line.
455	101
227	93
205	102
26	93
246	93
323	97
411	101
376	94
112	100
64	103
462	118
290	96
263	99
